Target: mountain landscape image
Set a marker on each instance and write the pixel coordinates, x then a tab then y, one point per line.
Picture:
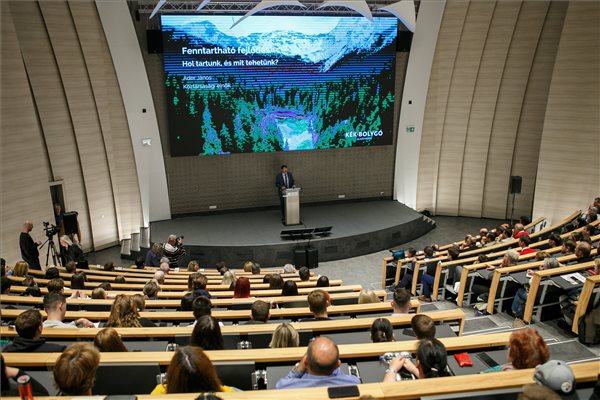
326	82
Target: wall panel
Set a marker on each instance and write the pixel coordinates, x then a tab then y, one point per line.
437	99
84	116
569	168
529	134
53	110
466	68
113	122
508	108
484	105
23	166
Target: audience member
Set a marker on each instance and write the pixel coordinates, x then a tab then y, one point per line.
5	285
8	383
187	301
109	266
55	306
526	349
582	252
319	367
368	296
382	331
285	336
140	302
304	274
123	313
567	248
400	302
259	313
174	250
159	277
29	328
255	269
199	286
554	240
191	371
318	301
423	326
431	362
518	305
75	370
151	290
165	268
289	269
56	285
518	231
78	281
120	279
267	278
139	263
193	266
241	290
276	282
153	256
104	285
108	340
71	267
524	242
289	288
190	281
21	268
99	294
202	306
207	334
229	279
409	261
533	391
323	281
52	273
248	266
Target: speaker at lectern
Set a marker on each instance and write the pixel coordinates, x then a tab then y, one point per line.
291	197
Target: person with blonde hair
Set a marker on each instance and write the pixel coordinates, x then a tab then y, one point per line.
248	266
151	290
368	296
123	313
193	266
99	294
153	256
21	269
285	336
75	370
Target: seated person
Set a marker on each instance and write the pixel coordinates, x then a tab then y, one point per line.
120	279
193	266
323	281
159	277
99	294
259	313
124	313
431	362
318	301
519	231
75	370
153	256
199	286
524	242
151	290
191	371
5	285
71	267
481	285
289	288
284	336
207	334
8	383
187	301
52	273
367	296
400	302
518	305
382	331
55	306
423	326
320	366
108	340
410	261
526	349
29	327
304	274
276	282
241	289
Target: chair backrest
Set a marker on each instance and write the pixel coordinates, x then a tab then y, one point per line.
125	379
45	378
241	306
230	341
294	304
146	345
344	301
238	374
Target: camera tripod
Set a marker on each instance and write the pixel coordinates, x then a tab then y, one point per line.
51	251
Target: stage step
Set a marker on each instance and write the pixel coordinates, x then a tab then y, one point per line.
145	237
135	242
125	248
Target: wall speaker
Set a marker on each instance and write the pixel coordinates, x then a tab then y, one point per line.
403	41
154	41
515	184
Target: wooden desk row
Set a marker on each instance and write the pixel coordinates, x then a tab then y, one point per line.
410	389
8	314
591	285
456	315
176	302
167	287
220	294
183	272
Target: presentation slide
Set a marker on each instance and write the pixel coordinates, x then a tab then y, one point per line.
278	83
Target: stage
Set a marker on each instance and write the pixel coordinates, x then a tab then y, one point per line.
358	228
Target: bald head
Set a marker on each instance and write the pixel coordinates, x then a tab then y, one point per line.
172	239
159	276
27	226
322	356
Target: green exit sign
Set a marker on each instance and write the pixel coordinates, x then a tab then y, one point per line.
410	129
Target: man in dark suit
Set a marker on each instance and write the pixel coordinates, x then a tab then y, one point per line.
29	248
284	180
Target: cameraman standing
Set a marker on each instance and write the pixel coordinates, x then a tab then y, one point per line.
29	248
174	250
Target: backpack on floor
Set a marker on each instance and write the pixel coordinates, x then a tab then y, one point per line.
589	327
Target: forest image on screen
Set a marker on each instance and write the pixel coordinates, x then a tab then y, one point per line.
278	83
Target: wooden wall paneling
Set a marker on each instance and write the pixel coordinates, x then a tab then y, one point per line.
569	167
23	166
53	111
508	109
483	106
460	96
111	114
84	116
529	134
437	99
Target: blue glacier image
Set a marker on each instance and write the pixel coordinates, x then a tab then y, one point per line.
278	83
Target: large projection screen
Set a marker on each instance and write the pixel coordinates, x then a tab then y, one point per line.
277	83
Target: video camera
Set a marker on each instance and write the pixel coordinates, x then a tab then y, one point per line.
50	229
